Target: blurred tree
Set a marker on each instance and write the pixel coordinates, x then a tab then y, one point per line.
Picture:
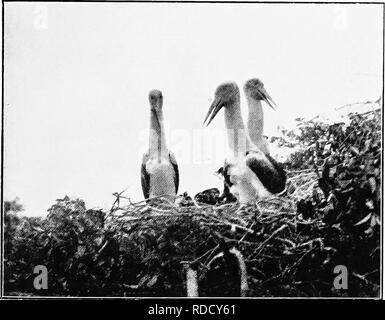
13	206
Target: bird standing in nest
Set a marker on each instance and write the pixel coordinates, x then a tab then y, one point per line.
249	173
159	170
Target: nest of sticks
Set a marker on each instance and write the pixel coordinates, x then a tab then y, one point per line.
234	250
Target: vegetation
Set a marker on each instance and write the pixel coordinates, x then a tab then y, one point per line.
329	216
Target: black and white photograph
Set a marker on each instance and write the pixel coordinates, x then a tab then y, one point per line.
192	150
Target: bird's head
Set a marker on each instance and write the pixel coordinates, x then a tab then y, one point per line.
254	89
156	100
225	96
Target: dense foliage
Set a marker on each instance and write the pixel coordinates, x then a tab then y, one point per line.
290	245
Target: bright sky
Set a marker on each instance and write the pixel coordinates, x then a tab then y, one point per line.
77	78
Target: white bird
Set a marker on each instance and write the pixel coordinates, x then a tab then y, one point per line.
249	173
159	171
255	94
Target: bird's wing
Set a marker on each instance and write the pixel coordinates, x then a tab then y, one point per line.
176	170
268	171
227	183
226	174
224	171
145	177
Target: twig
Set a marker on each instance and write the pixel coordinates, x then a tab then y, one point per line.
271	236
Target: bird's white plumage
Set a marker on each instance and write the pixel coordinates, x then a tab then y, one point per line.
162	177
247	187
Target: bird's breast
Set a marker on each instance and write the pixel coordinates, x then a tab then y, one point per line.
238	170
158	164
162	175
246	184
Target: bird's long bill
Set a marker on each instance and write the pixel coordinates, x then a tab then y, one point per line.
266	97
156	117
214	109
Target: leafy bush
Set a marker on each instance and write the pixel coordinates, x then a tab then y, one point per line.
329	216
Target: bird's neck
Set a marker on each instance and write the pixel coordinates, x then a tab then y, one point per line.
158	147
255	120
238	139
